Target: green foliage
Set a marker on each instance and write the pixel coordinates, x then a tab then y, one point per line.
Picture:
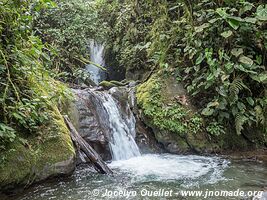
7	135
233	40
27	92
129	26
216	48
68	27
174	118
214	128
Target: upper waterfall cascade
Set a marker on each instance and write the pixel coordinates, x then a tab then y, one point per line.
96	56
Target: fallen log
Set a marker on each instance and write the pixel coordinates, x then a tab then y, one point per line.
83	146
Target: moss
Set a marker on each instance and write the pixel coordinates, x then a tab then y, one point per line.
156	98
57	146
118	83
107	84
36	159
110	84
17	164
163	111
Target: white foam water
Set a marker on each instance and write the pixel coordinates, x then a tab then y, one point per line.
171	167
97	57
123	145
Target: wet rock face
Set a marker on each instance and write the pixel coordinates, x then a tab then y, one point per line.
91	119
115	71
88	122
146	140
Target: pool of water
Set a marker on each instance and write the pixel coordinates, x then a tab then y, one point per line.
155	176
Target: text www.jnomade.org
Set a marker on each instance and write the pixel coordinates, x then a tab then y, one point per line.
172	193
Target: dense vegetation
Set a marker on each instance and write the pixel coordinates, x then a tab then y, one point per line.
69	27
217	49
27	91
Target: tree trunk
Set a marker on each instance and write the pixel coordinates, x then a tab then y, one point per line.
83	146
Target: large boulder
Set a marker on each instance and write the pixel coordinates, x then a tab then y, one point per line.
165	107
49	154
91	118
85	114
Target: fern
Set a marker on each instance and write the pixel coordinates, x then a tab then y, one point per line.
259	115
240	120
235	88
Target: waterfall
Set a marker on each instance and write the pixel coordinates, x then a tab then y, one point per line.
117	125
96	56
123	145
105	117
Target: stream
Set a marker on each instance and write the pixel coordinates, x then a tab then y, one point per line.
148	176
153	172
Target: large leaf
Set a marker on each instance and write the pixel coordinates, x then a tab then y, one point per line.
213	104
237	52
212	21
200	58
246	60
207	111
262	12
251	20
222	12
199	29
227	34
243	69
246	7
250	101
259	77
233	23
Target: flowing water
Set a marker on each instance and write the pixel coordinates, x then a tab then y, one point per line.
151	176
146	176
152	173
107	117
96	56
122	145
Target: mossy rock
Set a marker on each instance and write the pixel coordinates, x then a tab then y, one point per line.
118	83
107	85
178	127
110	84
49	154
